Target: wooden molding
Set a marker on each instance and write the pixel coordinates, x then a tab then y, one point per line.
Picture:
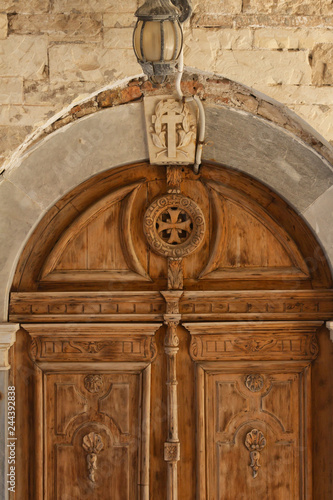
263	341
254	305
97	342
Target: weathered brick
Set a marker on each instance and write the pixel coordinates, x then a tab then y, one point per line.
25	116
25	6
23	56
118	38
258	67
272	113
298	94
59	94
115	97
90	63
322	64
58	26
11	90
288	7
3	26
291	38
94	6
201	45
119	20
320	117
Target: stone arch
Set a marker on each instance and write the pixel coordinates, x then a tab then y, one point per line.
244	131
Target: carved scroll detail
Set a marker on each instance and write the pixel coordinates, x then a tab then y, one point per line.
92	444
255	442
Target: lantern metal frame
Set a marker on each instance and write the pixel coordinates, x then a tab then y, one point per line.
174	11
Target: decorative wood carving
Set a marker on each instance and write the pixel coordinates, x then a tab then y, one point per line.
287	340
171	343
126	239
291	265
255	442
57	343
50	307
174	225
171	127
254	382
93	383
92	444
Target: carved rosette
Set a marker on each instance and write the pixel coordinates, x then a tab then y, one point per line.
93	383
255	442
92	444
254	382
174	226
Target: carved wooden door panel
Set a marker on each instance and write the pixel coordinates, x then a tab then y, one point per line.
92	400
216	405
253	385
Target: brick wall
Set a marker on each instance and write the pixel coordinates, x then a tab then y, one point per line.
53	52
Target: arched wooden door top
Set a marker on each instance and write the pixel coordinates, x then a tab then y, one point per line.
93	240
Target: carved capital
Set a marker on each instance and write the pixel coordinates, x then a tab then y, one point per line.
171	452
7	339
329	326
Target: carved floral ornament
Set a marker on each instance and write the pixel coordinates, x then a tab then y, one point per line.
93	383
254	382
174	226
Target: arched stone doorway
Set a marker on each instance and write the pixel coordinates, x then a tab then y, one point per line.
255	289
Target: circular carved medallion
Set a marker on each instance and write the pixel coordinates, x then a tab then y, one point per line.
93	383
174	226
254	382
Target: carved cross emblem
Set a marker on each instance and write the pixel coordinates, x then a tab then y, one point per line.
171	118
174	225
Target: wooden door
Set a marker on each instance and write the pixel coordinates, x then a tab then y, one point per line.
168	331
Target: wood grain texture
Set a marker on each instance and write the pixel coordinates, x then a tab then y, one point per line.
112	405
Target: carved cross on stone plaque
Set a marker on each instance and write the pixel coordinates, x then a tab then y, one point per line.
171	130
171	118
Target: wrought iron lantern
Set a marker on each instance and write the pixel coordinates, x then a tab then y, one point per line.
158	36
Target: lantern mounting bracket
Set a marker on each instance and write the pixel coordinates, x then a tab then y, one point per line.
184	7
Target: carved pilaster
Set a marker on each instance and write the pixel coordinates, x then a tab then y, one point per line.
7	339
171	343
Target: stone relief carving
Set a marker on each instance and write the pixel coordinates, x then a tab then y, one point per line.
174	225
92	444
255	442
254	382
93	383
171	127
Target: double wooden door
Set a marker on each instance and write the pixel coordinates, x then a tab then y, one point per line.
168	332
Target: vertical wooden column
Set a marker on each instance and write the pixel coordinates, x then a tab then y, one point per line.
171	342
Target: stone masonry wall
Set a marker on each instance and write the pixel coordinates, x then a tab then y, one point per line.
54	52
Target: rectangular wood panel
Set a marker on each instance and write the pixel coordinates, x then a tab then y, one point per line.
92	425
232	412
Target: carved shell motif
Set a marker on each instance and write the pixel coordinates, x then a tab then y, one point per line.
92	443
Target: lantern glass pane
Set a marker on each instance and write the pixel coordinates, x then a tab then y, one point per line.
151	42
136	40
171	35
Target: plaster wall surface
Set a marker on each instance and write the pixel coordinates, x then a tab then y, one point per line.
53	52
